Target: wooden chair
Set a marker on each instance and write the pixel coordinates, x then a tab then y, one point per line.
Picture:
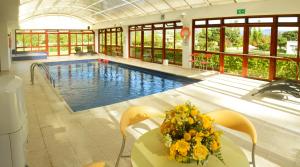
206	61
97	164
132	116
238	122
194	60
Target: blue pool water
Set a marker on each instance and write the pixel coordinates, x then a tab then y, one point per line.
89	84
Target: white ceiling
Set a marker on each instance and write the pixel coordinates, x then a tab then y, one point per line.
93	11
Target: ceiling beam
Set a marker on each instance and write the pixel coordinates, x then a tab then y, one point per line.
134	5
153	6
208	3
93	4
76	8
112	8
168	4
88	20
73	13
188	4
37	6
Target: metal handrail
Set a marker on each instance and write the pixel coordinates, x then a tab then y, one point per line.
45	68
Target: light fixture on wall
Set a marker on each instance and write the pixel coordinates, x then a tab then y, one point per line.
182	16
162	17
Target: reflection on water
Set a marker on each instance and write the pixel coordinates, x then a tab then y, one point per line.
89	85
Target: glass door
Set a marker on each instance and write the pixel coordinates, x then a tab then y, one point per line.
158	45
147	56
53	44
63	44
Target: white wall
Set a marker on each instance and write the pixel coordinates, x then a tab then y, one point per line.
9	12
96	41
125	42
4	51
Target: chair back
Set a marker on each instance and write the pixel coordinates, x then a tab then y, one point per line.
194	54
235	121
134	115
97	164
208	56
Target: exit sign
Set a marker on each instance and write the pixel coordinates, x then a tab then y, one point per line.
241	11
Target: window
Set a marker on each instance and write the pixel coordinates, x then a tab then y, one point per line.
244	45
111	41
160	41
234	39
170	41
178	47
201	22
158	45
260	40
55	42
287	41
135	42
132	44
200	39
214	21
64	41
261	20
147	56
234	21
213	39
288	19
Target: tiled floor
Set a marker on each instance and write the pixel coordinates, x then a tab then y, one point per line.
59	138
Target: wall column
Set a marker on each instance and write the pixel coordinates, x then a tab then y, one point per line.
12	27
125	42
96	41
5	53
187	45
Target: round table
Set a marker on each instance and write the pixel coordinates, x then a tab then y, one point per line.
149	151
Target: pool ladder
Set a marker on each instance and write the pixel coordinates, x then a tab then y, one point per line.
46	70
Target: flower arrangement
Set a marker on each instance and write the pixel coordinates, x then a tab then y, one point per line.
190	135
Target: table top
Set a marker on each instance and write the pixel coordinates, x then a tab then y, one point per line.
149	151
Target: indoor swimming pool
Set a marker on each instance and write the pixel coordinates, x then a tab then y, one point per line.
88	84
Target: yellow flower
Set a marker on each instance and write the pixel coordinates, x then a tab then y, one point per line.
199	134
193	132
181	158
185	108
173	120
191	120
194	112
178	108
183	115
215	145
217	134
194	129
207	122
200	152
172	152
199	137
212	130
165	127
187	136
182	147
